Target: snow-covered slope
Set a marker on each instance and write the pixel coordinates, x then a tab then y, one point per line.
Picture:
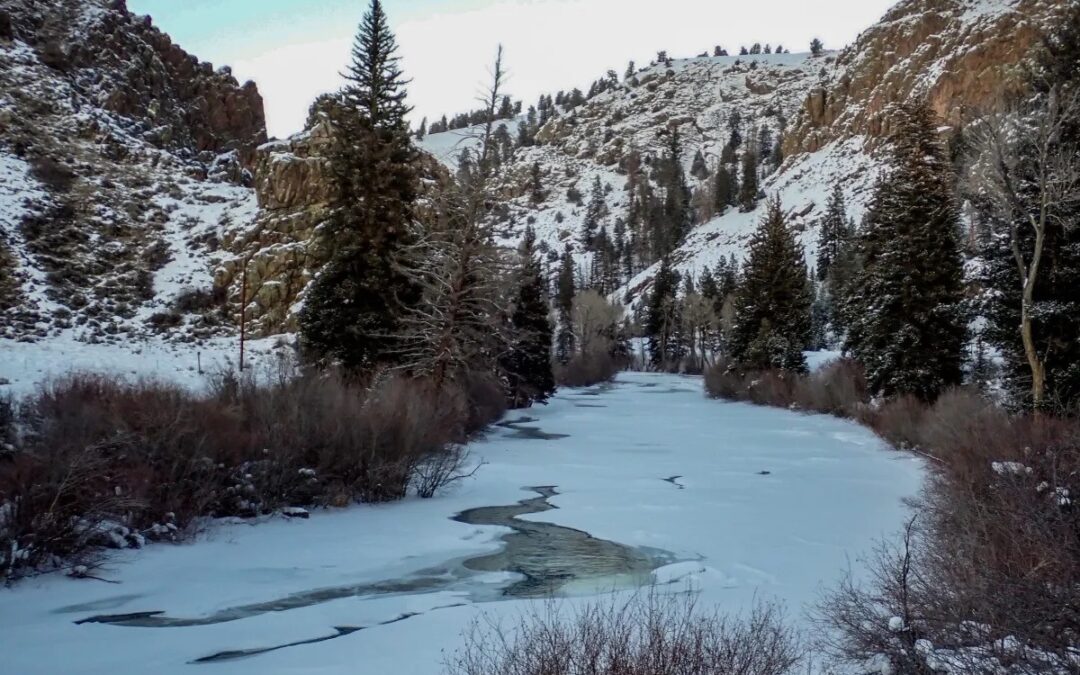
125	216
832	110
122	162
699	96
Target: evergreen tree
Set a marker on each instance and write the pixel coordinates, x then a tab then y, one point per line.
699	169
594	213
832	232
673	223
907	325
748	189
772	304
722	190
564	305
662	319
352	312
527	364
816	47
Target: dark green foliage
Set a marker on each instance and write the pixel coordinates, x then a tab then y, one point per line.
671	222
723	191
833	233
527	364
699	169
748	190
772	321
906	318
564	305
662	319
351	314
594	213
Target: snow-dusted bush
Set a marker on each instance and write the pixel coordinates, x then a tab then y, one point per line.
986	578
650	634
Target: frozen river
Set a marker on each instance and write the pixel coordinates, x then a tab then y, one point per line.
602	491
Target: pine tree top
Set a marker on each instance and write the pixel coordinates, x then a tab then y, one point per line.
375	84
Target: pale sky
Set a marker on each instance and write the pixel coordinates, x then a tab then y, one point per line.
294	49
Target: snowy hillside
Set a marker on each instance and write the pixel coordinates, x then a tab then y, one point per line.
115	193
699	96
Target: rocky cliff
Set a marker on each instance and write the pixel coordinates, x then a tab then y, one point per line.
962	55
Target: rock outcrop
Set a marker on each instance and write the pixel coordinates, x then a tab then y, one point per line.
963	55
121	157
125	65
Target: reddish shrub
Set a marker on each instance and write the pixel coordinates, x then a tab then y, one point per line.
839	388
585	370
648	635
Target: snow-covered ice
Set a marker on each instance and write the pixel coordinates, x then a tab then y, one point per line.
764	502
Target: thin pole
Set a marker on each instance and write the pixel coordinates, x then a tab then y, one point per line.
243	312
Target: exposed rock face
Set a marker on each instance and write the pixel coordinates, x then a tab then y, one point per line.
283	251
128	67
963	55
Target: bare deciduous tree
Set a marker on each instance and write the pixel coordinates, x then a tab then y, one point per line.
1031	181
460	269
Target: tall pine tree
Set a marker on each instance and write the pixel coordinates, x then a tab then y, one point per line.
565	289
907	324
662	319
352	311
772	305
528	363
832	233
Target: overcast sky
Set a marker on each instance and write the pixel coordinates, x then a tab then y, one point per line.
294	49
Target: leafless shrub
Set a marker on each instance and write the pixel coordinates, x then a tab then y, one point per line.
57	177
648	635
101	461
487	402
879	619
585	370
839	388
441	469
898	421
722	382
51	510
773	388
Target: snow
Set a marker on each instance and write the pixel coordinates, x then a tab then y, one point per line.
732	534
25	365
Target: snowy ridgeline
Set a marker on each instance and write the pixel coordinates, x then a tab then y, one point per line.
734	501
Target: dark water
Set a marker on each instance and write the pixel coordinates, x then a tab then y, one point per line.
550	558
